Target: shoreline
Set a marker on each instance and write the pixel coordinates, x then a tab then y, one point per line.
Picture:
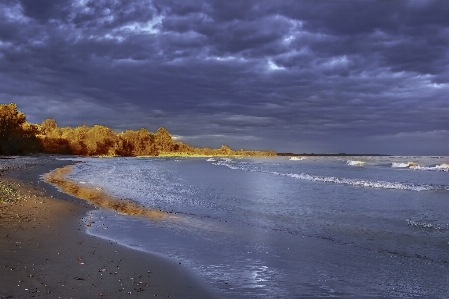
96	196
46	252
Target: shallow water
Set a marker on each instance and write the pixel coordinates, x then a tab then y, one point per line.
371	227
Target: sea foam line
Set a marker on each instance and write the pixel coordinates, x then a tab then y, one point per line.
365	183
403	165
355	163
441	167
343	181
427	225
415	166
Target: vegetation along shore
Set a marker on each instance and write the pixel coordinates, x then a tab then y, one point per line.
18	136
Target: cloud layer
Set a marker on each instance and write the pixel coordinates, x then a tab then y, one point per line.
302	76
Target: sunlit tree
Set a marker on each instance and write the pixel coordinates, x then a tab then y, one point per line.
17	136
100	140
164	141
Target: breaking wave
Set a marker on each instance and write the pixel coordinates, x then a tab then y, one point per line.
337	180
366	183
427	225
441	167
355	163
296	158
403	165
416	166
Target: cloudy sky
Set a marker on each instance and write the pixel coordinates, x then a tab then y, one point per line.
299	76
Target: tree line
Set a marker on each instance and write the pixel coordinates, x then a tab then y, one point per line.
19	137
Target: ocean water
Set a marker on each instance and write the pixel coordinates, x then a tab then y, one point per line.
369	227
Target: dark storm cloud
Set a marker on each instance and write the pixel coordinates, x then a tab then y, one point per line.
290	75
43	10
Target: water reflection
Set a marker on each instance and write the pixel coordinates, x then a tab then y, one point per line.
252	234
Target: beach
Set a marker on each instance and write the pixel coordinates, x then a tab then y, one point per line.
45	252
173	227
321	227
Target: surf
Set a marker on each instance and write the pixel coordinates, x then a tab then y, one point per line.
366	183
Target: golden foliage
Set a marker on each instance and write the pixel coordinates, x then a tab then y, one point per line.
17	136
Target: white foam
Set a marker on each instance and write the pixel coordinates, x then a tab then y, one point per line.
403	165
428	225
355	163
296	158
416	166
441	167
344	181
366	183
231	164
211	160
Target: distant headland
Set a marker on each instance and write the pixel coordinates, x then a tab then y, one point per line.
19	137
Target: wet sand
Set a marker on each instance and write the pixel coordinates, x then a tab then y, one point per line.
97	197
45	252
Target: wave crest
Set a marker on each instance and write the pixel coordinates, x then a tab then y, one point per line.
366	183
427	225
296	158
404	165
441	167
355	163
336	180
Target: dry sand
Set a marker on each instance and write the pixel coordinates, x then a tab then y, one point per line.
45	252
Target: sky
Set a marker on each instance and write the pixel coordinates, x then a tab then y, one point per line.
292	76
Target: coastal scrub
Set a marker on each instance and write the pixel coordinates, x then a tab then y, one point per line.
18	137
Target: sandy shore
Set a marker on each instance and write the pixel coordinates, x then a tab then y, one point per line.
45	252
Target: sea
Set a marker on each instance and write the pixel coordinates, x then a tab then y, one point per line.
309	227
